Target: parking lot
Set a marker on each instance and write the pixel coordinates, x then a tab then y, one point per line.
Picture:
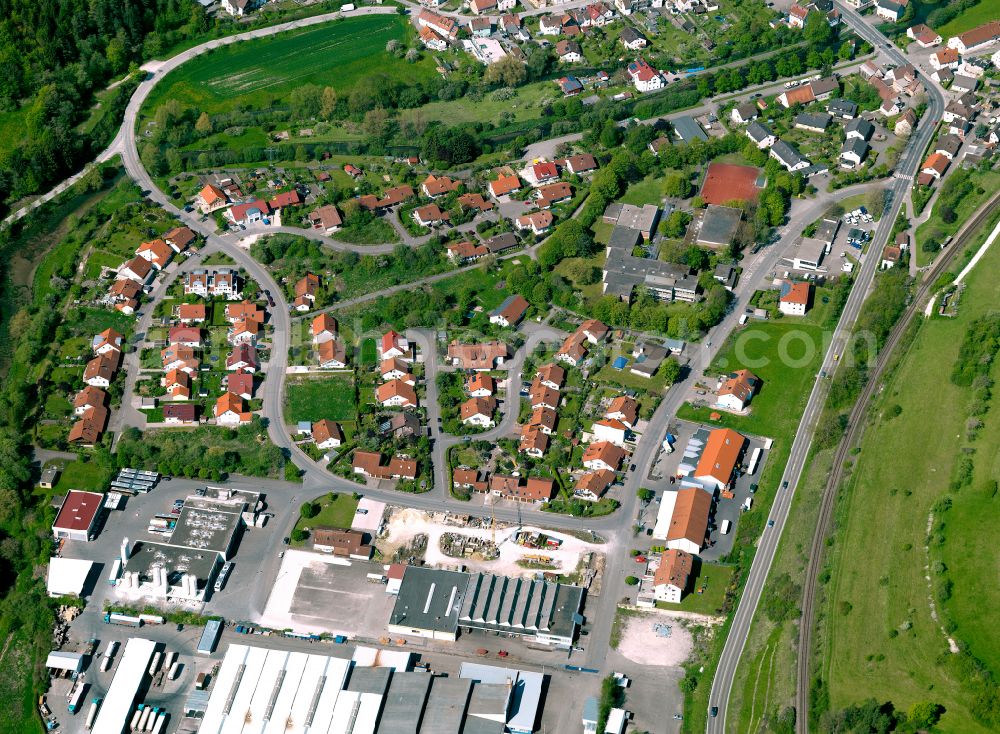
317	593
665	468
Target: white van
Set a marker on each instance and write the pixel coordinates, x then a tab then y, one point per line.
725	527
743	319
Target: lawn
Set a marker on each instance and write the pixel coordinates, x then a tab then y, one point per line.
314	398
707	592
527	104
785	354
336	511
335	54
935	228
984	12
647	191
81	475
886	643
655	384
18	714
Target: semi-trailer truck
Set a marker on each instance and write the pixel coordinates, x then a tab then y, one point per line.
122	619
92	714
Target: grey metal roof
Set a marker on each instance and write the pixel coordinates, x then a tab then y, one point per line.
404	703
787	153
429	599
818	120
718	227
446	706
688	129
857	146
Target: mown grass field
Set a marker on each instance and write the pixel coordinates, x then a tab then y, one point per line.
263	70
336	513
885	643
984	12
315	398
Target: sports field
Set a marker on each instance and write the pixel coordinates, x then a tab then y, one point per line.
263	70
881	639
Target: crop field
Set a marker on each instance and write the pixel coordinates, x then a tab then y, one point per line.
881	637
260	71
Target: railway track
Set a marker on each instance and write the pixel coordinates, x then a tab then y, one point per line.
855	431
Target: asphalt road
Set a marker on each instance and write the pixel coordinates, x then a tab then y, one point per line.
906	168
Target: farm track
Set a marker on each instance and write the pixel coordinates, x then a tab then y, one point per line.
852	438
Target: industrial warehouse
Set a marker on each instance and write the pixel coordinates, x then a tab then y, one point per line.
436	604
375	692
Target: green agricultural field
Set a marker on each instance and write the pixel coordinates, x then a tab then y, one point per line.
984	12
881	639
261	71
315	398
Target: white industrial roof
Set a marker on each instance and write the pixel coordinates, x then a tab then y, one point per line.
118	704
61	660
260	691
667	502
616	722
372	657
66	576
525	691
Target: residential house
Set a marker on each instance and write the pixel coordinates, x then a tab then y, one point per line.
432	39
210	199
188	336
935	165
440	24
327	435
156	252
610	430
394	368
632	39
761	135
481	385
794	298
435	186
324	328
243	357
672	576
744	113
89	397
550	25
107	341
946	58
183	414
430	215
541	396
534	442
306	290
581	163
519	489
948	146
475	201
625	410
905	123
394	344
890	257
179	357
178	384
553	193
551	375
224	282
248	213
477	412
889	10
369	464
844	109
332	355
506	183
325	219
191	313
87	431
645	77
240	383
396	394
788	156
736	390
603	455
510	312
480	357
468	479
100	371
591	485
853	153
544	419
569	52
137	269
923	35
478	7
231	410
538	222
